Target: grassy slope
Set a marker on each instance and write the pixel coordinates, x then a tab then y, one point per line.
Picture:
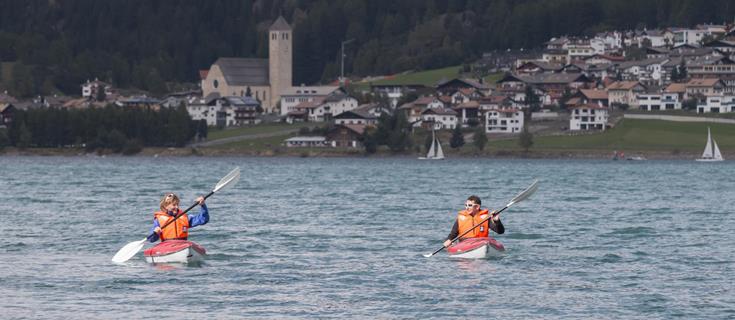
428	78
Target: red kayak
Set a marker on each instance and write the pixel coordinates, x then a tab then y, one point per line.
476	248
175	251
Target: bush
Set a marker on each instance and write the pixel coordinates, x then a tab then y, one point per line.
131	147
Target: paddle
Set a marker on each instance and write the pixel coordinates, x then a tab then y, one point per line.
130	249
520	197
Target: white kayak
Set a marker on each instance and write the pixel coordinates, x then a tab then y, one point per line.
175	251
476	248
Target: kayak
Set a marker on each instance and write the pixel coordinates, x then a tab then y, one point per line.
175	251
476	248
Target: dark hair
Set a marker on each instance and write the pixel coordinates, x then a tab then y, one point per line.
475	199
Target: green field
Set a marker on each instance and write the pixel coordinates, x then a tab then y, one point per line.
636	135
427	78
215	134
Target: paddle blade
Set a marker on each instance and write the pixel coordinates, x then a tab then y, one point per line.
230	179
524	194
128	251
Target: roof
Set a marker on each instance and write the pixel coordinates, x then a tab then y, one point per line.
588	106
312	91
6	106
709	60
468	105
623	85
506	110
355	114
309	139
357	128
642	63
676	88
552	78
244	71
241	101
709	82
310	104
280	25
606	56
493	99
594	94
440	111
471	83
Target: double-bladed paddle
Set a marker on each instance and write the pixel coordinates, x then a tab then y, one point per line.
520	197
130	249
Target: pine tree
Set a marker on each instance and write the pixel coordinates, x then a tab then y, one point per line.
525	141
457	140
479	139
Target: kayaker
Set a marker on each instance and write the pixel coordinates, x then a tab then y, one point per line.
179	229
471	216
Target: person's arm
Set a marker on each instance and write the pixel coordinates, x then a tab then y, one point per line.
154	236
452	234
497	226
199	219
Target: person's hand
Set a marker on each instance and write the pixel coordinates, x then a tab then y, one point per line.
447	243
200	200
157	230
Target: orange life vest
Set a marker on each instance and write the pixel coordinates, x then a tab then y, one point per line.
177	230
465	221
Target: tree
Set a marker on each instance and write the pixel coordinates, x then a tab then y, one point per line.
25	138
428	141
4	140
101	96
479	139
457	140
525	141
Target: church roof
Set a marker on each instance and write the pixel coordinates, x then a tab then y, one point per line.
280	25
244	71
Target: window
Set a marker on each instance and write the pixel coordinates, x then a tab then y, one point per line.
215	83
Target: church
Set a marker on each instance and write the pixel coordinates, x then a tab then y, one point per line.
266	79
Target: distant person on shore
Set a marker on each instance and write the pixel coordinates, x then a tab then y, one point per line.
179	229
471	216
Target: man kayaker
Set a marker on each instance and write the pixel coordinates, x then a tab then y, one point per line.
471	216
179	229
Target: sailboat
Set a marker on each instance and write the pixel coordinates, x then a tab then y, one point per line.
435	151
711	150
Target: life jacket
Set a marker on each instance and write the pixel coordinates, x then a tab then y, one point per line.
177	230
465	221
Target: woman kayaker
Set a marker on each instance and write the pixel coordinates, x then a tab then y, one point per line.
179	229
471	216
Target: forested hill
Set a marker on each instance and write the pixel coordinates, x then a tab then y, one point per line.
57	44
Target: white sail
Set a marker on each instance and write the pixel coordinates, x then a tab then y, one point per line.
707	154
439	151
711	150
432	149
717	155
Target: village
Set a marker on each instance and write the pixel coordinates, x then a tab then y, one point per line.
583	83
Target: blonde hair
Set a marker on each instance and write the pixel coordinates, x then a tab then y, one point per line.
167	199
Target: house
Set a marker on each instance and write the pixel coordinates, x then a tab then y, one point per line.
175	99
555	84
346	135
335	103
624	92
395	92
589	96
588	117
464	95
646	71
533	67
293	96
7	110
688	36
714	67
654	100
304	111
657	52
718	103
139	102
439	118
497	102
469	113
415	109
504	121
724	46
679	89
226	111
554	55
705	87
450	86
307	142
90	89
603	59
357	116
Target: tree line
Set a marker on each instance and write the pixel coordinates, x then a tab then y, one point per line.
51	46
118	129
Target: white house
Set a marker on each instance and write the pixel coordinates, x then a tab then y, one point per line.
439	118
717	104
226	111
504	121
334	104
588	117
658	101
357	116
89	89
415	109
293	96
688	36
395	92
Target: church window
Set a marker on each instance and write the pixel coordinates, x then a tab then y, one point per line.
216	83
286	36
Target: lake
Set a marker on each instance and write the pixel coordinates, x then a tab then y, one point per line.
344	238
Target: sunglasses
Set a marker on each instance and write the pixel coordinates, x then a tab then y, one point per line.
467	205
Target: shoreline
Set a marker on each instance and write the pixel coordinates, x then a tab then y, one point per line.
344	153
